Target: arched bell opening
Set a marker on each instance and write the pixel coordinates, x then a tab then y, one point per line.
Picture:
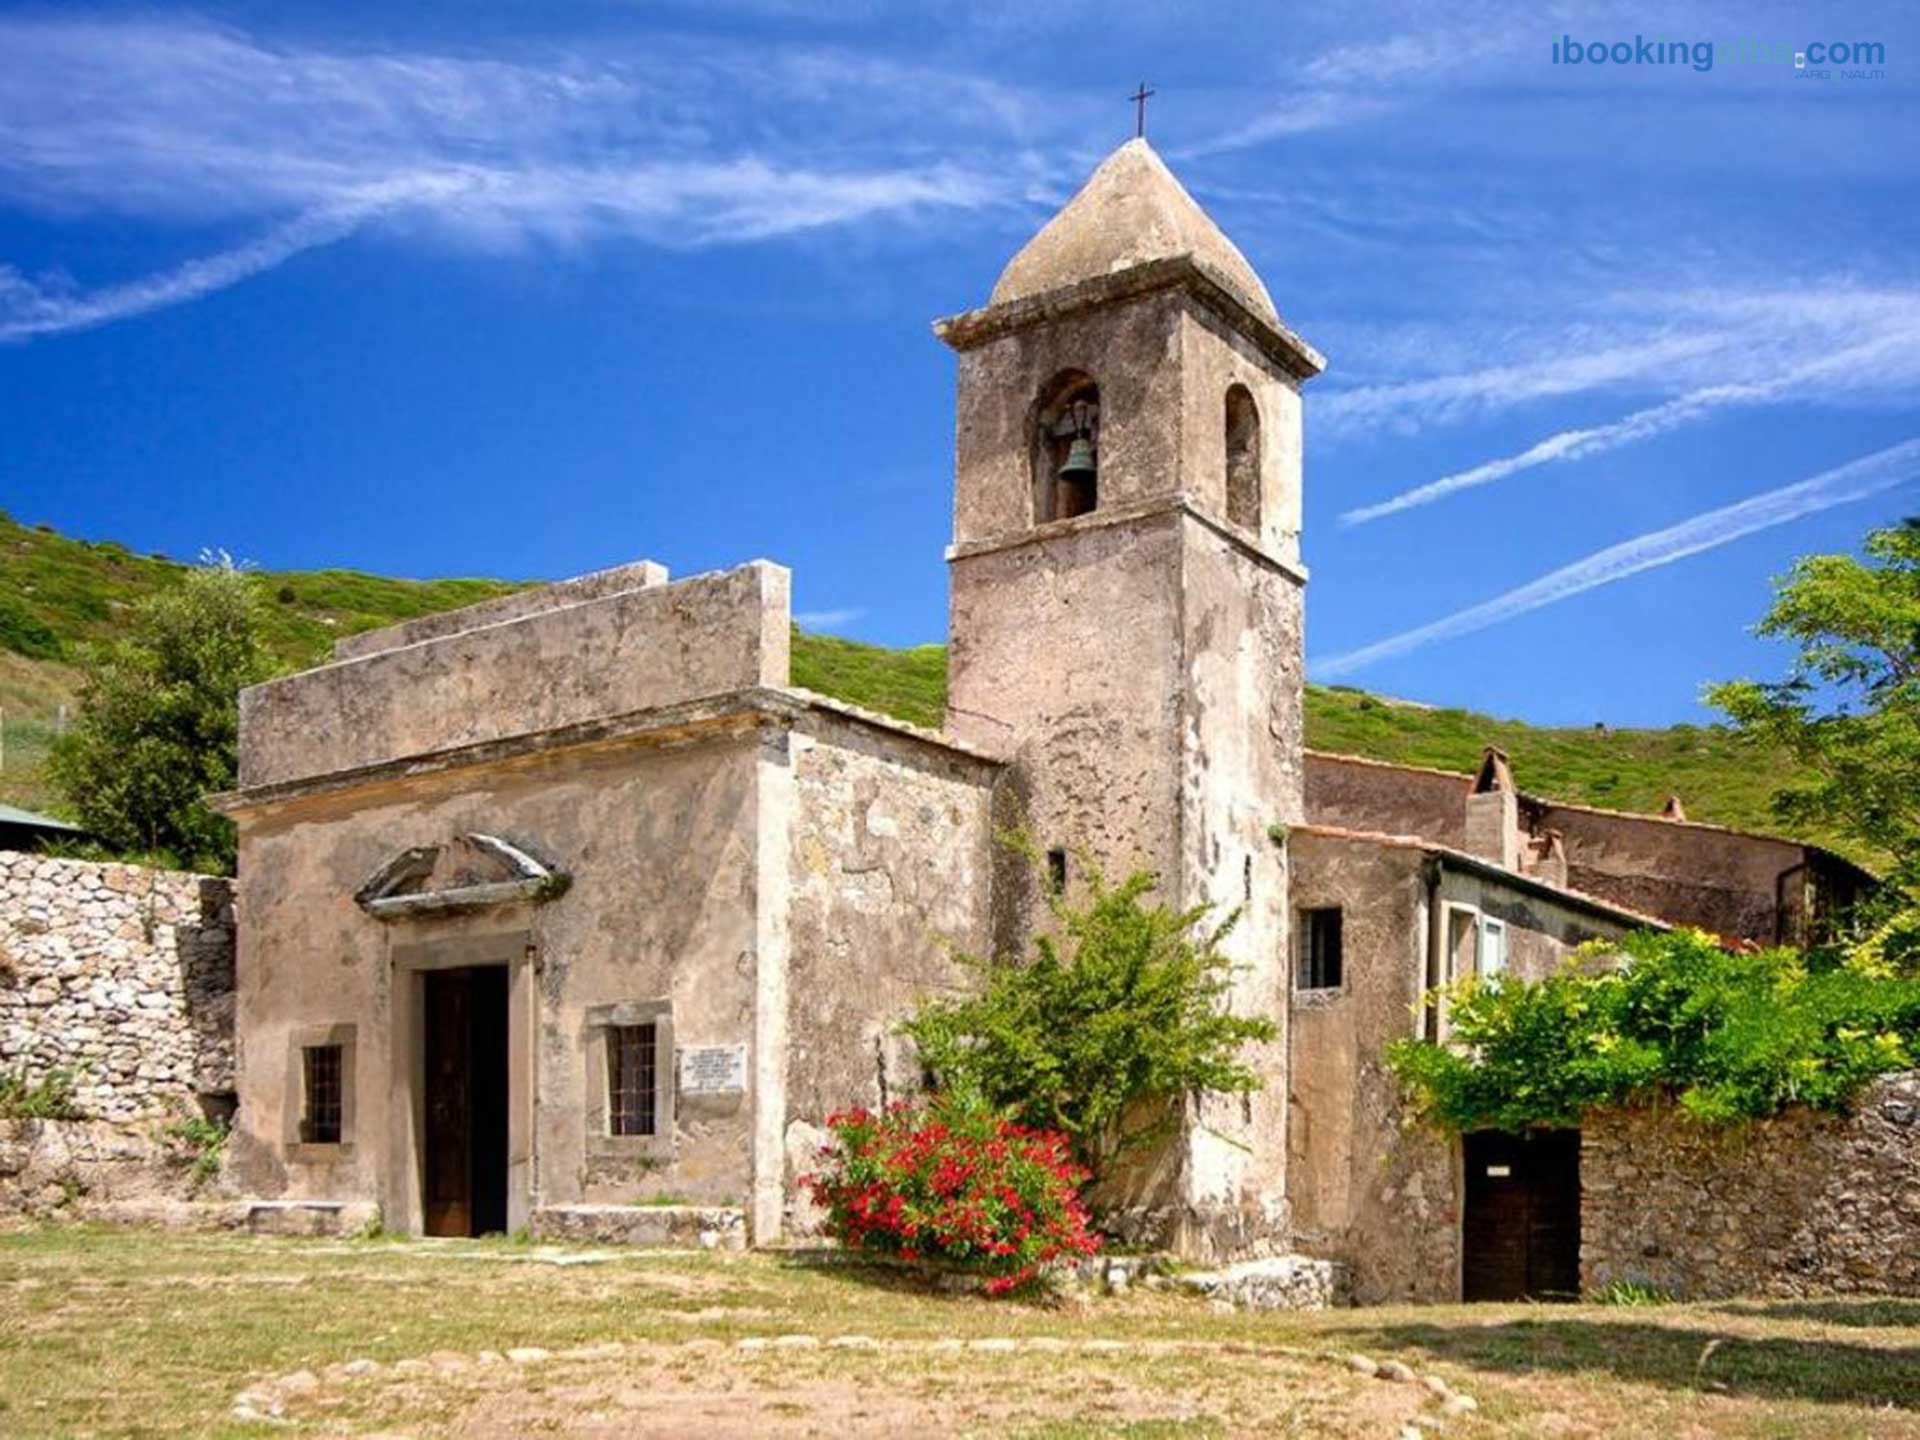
1066	447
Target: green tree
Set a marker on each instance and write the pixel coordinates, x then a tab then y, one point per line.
1100	1029
157	725
1849	710
1849	706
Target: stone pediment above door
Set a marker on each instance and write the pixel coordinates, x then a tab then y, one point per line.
469	872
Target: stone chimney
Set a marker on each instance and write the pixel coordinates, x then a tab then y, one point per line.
1493	812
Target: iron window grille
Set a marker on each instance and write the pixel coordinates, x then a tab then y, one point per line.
633	1054
1320	958
324	1088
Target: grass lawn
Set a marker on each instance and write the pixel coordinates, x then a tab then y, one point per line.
119	1332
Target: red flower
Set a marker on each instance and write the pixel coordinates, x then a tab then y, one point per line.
948	1184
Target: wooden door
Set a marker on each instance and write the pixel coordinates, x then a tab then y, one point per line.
1520	1237
449	1076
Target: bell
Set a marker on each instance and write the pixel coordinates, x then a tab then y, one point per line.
1080	465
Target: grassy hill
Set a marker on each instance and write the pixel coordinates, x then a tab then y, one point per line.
57	593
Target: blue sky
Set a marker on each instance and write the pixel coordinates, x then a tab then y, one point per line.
527	290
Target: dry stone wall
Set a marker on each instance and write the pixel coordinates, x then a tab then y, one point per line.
1807	1203
120	976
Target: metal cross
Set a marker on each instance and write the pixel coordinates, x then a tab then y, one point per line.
1139	98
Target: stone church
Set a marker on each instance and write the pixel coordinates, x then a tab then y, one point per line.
569	910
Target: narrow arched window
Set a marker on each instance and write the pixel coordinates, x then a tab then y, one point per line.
1066	447
1243	458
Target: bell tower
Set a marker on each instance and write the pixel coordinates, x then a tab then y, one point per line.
1126	610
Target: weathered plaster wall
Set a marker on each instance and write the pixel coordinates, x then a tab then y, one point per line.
632	650
891	864
1214	356
660	844
1689	874
120	975
1131	350
1066	656
1387	799
1240	778
1807	1203
1367	1188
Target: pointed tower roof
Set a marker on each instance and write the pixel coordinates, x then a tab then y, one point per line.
1130	212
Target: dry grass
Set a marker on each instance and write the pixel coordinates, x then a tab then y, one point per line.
138	1333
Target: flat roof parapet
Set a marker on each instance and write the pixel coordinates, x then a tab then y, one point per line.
597	585
576	654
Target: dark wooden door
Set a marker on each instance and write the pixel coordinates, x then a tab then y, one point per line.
1521	1232
449	1074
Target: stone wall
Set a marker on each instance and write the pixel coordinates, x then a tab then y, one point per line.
890	854
1807	1203
1352	793
120	975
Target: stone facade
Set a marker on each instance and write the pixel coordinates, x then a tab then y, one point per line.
637	821
120	976
1806	1203
1369	1187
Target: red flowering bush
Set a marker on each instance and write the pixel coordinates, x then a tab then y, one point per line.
953	1182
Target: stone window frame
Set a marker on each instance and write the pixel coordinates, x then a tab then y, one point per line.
294	1109
599	1020
1301	924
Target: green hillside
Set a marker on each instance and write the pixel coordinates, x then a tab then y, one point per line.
57	593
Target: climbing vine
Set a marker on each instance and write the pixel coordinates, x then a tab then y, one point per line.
1730	1036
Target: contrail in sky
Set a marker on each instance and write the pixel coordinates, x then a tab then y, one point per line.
1855	480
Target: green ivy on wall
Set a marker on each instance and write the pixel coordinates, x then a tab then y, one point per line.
1730	1036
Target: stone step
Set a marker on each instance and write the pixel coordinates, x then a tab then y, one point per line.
660	1227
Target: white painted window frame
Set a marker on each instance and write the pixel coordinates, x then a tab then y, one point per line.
1448	909
1489	928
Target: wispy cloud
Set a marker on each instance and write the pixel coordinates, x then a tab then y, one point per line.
1355	83
828	619
184	123
1709	349
1856	480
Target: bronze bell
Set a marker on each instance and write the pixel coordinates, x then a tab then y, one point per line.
1080	466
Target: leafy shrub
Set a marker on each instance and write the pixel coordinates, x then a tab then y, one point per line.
1631	1293
204	1142
51	1098
25	633
1132	1016
1733	1036
954	1181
